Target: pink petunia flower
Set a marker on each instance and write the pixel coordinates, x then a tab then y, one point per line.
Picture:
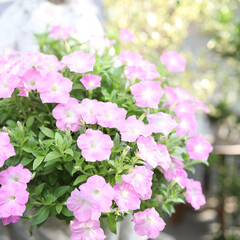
187	124
161	123
198	148
194	194
82	209
12	201
141	179
148	223
95	145
126	35
60	32
18	176
8	83
91	81
176	164
126	197
147	94
79	61
131	58
55	88
184	108
181	177
68	115
109	114
89	109
131	128
164	160
173	61
11	219
6	148
98	192
89	230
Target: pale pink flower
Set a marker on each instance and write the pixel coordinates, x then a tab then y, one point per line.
150	70
11	219
6	148
126	35
89	230
194	194
141	179
131	58
61	32
18	176
164	160
184	108
8	83
148	223
98	192
173	61
198	148
131	128
95	145
12	201
187	124
176	164
109	114
68	115
82	209
147	93
91	81
79	61
89	110
161	123
126	197
181	177
55	88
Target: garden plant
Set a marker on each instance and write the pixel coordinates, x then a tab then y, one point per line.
90	135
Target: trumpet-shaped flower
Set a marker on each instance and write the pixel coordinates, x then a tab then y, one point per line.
161	123
176	164
126	197
6	148
12	201
98	192
180	176
198	148
194	194
79	61
148	223
173	61
89	110
68	115
187	124
95	145
147	93
15	175
8	83
11	219
131	58
55	88
82	209
89	230
126	35
141	179
91	81
60	32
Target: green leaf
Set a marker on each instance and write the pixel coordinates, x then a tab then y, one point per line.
59	208
30	121
25	161
39	189
80	179
37	162
50	199
47	132
89	167
42	215
60	191
52	155
111	223
58	139
69	151
67	213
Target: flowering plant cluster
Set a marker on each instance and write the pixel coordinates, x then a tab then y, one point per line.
88	136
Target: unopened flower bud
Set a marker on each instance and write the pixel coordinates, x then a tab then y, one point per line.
5	129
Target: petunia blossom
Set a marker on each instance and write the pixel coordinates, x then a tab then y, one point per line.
147	93
126	35
95	145
11	219
126	197
173	61
199	148
6	148
61	32
91	81
148	223
98	192
8	83
176	164
79	61
89	109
